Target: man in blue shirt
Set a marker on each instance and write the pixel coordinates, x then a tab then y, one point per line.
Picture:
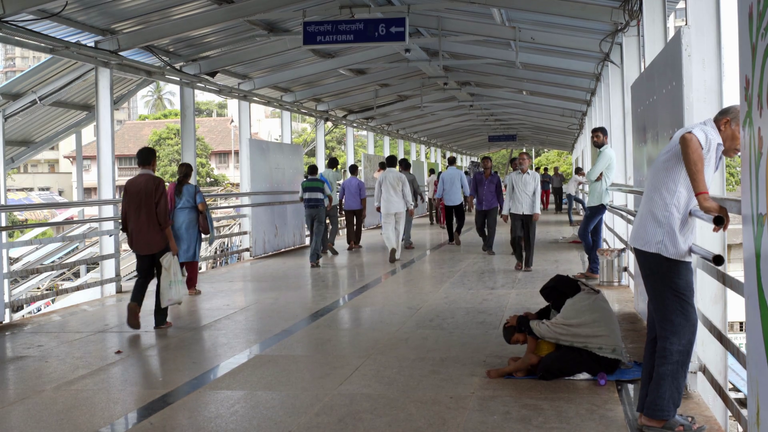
546	187
486	189
453	190
352	203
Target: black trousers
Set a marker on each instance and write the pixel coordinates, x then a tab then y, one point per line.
483	219
558	194
567	361
147	268
354	219
450	212
431	210
523	231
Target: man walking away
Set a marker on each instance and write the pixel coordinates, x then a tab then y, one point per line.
571	190
393	199
333	177
352	203
546	185
486	189
431	195
599	178
146	222
405	168
522	203
663	234
558	180
317	199
467	207
453	190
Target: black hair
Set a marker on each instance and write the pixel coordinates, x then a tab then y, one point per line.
333	163
438	176
546	169
466	172
312	170
401	163
391	161
509	333
601	129
382	165
579	170
185	175
145	156
353	169
431	171
496	172
452	161
486	157
513	160
406	165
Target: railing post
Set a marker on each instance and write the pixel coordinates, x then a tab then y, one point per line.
105	158
188	138
80	187
320	144
5	293
350	146
244	121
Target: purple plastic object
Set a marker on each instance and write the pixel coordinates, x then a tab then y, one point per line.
602	379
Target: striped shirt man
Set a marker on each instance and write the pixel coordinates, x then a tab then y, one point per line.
663	224
314	192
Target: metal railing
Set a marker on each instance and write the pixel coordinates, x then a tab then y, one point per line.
708	262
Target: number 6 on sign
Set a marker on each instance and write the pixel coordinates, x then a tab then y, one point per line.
383	29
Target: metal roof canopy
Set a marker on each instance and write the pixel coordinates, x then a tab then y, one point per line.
472	68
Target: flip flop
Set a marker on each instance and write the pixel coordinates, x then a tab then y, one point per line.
672	425
583	276
528	269
195	292
519	266
167	324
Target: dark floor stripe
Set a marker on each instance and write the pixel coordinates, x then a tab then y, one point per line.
162	402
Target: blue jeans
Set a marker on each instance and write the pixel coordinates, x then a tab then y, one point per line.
591	235
672	324
315	218
571	199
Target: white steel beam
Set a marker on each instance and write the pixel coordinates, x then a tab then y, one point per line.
5	287
387	149
520	85
14	7
370	95
420	119
528	99
371	143
400	149
350	146
422	152
413	152
235	57
654	28
342	85
105	161
414	101
565	80
188	138
315	68
320	143
592	12
406	115
286	127
244	124
195	22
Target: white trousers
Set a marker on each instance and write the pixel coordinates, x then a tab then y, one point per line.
392	227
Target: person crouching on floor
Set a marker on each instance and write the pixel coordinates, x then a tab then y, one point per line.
526	365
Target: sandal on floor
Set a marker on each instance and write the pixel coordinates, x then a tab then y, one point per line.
519	266
167	324
583	276
672	425
528	269
195	292
314	265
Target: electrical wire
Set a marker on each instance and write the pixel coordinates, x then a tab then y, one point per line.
37	19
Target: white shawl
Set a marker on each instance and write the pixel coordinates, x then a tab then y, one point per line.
587	321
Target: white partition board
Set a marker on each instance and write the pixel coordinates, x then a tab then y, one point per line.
419	169
370	165
276	167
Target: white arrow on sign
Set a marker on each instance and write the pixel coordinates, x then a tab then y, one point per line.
397	29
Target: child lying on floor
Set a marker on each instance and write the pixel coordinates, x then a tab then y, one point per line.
526	365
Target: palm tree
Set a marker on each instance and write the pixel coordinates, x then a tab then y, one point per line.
157	98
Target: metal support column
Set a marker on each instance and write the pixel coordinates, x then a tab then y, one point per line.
320	144
105	162
387	149
80	190
244	124
350	146
5	293
371	143
422	149
432	154
400	149
413	152
188	138
654	23
286	127
439	160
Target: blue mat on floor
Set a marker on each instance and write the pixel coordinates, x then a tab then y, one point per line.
631	374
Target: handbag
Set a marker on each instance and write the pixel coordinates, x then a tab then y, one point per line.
202	221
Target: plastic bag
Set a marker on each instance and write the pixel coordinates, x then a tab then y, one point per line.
172	283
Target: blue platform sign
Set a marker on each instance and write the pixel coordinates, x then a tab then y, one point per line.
502	138
362	31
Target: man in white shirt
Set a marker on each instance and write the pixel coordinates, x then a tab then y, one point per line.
332	176
599	177
662	235
571	190
393	198
522	203
431	195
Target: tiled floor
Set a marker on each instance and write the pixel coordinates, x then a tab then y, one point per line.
409	354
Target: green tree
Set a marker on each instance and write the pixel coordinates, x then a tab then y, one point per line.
167	143
158	98
555	158
162	115
732	174
207	108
